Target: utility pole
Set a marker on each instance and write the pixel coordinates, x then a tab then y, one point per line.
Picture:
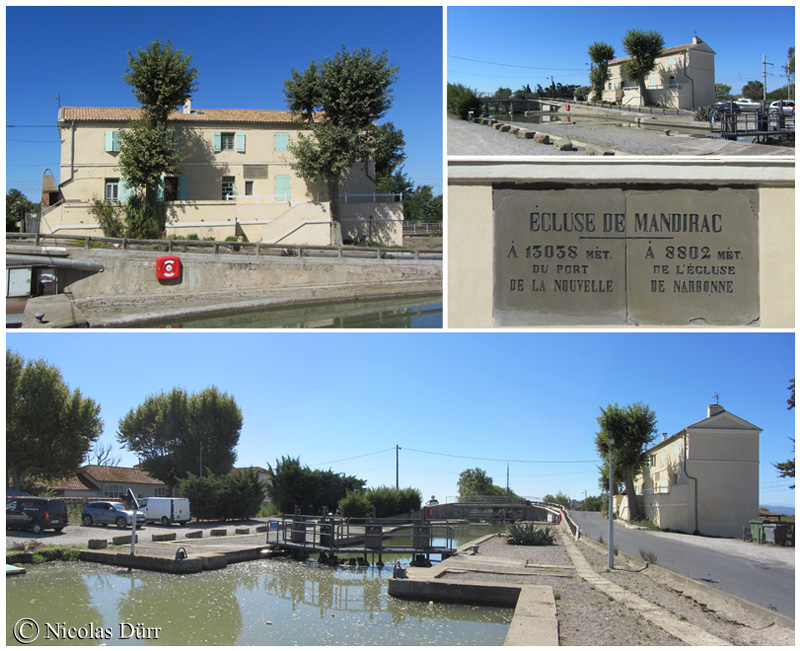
508	490
397	467
610	443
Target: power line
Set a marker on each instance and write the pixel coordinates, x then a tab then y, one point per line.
511	65
459	456
360	456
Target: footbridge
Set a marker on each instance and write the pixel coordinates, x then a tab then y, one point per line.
494	508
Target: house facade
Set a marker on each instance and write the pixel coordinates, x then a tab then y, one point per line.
109	482
704	478
683	78
236	179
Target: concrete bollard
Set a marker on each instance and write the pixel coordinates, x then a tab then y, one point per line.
194	534
219	532
158	537
98	544
242	530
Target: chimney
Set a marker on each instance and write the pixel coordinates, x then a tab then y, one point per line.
696	40
713	410
663	437
187	107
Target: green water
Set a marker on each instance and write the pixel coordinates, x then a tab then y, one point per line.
401	312
269	602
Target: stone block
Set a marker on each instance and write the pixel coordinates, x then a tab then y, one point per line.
194	534
505	128
123	540
541	138
262	528
218	532
98	544
563	144
242	530
159	537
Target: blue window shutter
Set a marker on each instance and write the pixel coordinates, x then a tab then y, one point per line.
115	144
160	198
217	141
109	141
240	142
281	142
184	188
125	191
282	187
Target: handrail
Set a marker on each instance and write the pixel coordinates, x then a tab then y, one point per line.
239	248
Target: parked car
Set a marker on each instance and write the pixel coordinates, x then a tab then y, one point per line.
115	513
785	105
747	104
731	107
36	514
166	510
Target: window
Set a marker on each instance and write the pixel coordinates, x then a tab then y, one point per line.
161	491
112	190
663	456
228	187
229	141
248	188
281	142
112	141
113	491
171	185
671	62
652	460
676	450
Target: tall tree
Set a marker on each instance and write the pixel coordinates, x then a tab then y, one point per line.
633	428
341	100
722	92
49	428
643	48
389	154
753	90
475	481
295	485
162	79
600	54
170	432
787	467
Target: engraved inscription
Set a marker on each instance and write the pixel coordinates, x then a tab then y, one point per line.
625	256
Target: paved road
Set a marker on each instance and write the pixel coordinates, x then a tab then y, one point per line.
759	574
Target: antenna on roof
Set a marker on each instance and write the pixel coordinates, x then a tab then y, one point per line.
56	99
716	398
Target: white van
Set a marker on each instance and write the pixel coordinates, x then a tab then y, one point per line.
166	510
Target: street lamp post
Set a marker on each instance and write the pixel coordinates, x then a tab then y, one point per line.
610	443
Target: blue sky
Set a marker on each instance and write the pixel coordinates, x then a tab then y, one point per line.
523	401
534	43
243	55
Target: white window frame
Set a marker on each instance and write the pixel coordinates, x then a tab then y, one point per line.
111	184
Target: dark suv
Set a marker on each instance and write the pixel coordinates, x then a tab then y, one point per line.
36	514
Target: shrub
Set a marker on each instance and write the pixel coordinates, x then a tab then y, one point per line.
108	216
392	501
236	496
527	534
140	220
355	505
647	556
461	100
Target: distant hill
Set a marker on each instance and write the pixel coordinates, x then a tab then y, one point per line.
787	510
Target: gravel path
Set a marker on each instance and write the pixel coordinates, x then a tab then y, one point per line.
471	139
587	616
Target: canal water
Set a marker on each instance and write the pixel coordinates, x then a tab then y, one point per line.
544	118
268	602
408	312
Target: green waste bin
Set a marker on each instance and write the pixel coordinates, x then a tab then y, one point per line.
756	531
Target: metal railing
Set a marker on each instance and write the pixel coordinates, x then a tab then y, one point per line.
238	248
417	228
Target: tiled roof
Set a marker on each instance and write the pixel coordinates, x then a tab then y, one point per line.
72	483
121	114
664	52
257	469
120	475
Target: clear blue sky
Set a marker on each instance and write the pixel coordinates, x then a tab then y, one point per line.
243	55
452	401
534	43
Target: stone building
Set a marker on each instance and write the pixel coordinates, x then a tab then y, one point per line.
683	78
702	479
236	179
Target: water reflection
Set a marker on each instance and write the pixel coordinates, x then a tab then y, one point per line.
270	602
416	312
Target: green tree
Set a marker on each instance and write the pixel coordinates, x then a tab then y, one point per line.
49	428
161	78
17	206
461	100
600	54
787	467
503	93
419	203
633	428
389	152
295	485
558	498
643	48
341	100
722	92
594	503
174	434
753	90
475	481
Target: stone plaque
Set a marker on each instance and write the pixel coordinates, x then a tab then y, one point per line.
625	255
256	171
